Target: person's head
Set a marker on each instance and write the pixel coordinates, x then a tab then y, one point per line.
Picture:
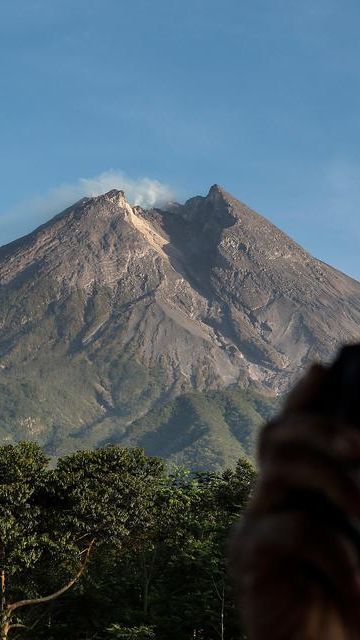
295	556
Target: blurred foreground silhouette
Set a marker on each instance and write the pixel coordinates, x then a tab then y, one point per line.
295	559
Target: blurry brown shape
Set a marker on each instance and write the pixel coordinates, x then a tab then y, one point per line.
295	558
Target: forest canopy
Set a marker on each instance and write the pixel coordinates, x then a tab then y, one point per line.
113	544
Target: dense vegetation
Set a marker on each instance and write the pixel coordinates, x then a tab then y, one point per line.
128	548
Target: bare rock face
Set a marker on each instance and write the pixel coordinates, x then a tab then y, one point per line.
280	307
109	310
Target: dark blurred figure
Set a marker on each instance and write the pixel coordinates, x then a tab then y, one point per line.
296	557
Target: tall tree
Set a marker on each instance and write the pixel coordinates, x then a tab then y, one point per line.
24	539
52	519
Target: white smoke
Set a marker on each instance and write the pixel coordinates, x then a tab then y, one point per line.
28	213
141	191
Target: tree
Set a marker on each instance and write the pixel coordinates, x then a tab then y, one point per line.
52	519
23	537
201	603
180	574
106	494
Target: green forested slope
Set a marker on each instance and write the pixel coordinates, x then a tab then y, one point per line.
208	430
205	430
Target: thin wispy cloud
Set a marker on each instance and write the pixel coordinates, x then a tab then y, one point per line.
143	191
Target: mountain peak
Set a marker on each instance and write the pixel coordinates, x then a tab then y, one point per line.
116	195
216	191
215	188
218	196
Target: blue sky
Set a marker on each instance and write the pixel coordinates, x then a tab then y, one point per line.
261	96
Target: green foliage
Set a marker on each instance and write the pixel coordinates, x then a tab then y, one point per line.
131	633
107	494
205	431
158	567
23	476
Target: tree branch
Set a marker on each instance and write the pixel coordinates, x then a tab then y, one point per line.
17	625
24	603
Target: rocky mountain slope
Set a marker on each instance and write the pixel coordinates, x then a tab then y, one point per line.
119	324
